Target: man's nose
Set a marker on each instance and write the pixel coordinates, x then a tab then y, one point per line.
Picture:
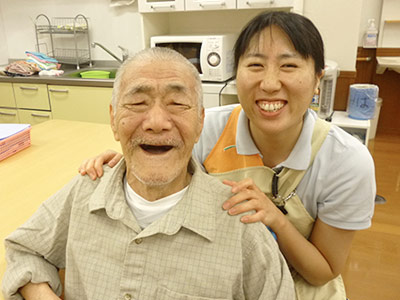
157	119
271	81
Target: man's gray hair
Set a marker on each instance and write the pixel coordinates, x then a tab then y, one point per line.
157	53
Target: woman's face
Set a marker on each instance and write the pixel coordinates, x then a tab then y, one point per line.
275	84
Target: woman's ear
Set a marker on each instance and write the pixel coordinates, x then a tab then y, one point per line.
318	81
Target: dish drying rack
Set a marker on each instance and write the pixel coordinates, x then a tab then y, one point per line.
77	27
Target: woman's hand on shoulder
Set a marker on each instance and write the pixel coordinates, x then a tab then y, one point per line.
248	197
93	167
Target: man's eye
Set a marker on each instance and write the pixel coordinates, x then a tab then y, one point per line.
135	105
289	66
175	105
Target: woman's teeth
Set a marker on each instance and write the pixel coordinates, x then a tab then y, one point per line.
271	107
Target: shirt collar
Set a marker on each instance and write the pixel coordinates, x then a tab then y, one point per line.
299	158
244	142
196	211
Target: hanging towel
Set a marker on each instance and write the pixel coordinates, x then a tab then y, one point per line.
115	3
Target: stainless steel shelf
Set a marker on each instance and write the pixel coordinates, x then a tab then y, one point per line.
77	26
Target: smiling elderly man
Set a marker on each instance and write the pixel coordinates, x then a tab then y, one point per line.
153	227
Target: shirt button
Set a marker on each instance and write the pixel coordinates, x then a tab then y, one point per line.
138	241
127	296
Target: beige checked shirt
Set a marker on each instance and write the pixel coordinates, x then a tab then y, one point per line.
196	251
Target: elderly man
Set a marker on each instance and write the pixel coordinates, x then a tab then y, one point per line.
153	227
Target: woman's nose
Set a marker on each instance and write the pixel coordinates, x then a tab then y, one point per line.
157	119
271	82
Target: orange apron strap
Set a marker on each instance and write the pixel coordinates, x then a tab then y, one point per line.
224	157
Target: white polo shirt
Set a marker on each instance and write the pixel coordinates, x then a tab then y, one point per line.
339	187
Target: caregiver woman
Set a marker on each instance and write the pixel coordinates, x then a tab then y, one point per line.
309	181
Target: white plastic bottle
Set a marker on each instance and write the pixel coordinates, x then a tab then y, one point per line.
371	35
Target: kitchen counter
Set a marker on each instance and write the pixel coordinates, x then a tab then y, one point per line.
31	176
65	79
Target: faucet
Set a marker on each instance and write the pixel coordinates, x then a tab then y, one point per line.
125	52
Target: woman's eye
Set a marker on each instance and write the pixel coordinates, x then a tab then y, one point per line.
255	65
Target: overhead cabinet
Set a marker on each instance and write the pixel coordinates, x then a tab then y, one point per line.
210	4
154	6
161	6
248	4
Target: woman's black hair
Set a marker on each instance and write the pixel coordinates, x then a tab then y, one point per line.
301	31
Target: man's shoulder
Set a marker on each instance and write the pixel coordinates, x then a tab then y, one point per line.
218	193
81	188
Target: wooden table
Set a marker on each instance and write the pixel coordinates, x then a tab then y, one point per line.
29	177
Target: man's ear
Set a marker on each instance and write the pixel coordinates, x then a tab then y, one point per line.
201	117
112	123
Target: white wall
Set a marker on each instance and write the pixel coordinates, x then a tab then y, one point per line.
108	26
339	22
3	42
389	33
371	9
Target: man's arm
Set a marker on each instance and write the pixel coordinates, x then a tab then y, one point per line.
38	291
265	272
36	250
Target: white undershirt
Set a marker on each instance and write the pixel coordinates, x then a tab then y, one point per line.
146	212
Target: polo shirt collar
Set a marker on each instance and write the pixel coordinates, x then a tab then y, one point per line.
244	142
299	158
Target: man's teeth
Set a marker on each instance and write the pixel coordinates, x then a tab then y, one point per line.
271	107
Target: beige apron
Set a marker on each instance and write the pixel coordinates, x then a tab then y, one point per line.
224	162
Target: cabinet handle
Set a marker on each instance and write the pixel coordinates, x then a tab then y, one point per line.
58	91
259	2
368	58
40	116
31	88
162	6
211	3
7	114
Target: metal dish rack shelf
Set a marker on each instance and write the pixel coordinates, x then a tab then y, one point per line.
77	27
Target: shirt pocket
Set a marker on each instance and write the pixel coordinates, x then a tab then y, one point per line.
166	294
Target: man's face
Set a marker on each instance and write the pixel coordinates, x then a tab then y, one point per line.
157	121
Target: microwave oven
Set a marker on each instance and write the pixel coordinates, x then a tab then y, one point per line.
212	55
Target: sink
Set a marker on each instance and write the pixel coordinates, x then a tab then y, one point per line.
94	73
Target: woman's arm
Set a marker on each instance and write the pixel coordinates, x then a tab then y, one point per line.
317	260
94	166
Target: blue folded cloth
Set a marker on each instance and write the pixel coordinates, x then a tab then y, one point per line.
41	56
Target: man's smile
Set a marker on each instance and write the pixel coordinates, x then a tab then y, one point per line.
156	149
